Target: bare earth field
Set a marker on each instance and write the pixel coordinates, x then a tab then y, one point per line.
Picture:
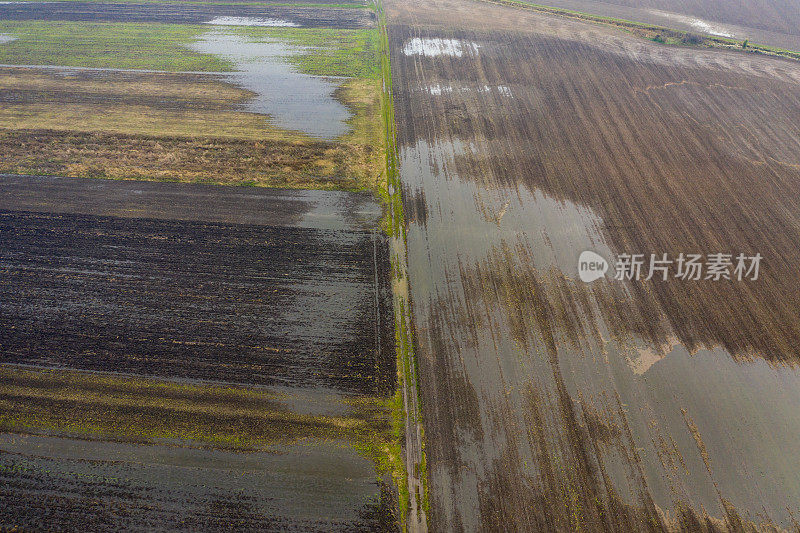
68	276
550	404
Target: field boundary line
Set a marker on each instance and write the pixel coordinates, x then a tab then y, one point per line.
413	497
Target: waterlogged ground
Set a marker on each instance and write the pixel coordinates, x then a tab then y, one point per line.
162	488
182	356
195	356
214	93
188	13
292	100
550	404
68	275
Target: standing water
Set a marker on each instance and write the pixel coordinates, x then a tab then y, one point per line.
291	99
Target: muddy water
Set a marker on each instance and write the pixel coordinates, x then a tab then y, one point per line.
547	405
323	486
323	210
291	99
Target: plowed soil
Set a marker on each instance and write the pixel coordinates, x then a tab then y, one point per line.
260	305
551	404
184	357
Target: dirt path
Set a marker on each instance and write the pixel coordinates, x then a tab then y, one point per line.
550	404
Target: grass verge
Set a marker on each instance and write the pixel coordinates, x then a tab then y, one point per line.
410	473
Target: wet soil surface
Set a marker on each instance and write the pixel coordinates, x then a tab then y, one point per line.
185	14
550	404
159	488
274	163
264	305
284	293
320	210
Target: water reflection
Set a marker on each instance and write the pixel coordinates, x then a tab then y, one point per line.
292	100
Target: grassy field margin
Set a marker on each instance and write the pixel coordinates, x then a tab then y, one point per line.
411	475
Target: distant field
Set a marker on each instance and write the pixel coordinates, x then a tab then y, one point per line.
298	15
768	22
306	3
122	45
167	47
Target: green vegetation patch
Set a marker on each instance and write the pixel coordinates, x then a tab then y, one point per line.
108	407
149	46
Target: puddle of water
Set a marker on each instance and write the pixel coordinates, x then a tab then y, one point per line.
291	99
494	215
319	483
681	407
6	38
433	47
438	90
696	23
252	21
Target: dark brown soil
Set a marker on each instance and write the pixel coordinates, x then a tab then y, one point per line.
244	304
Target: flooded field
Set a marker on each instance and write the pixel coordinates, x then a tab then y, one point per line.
161	488
189	356
219	103
244	342
188	13
69	275
552	404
